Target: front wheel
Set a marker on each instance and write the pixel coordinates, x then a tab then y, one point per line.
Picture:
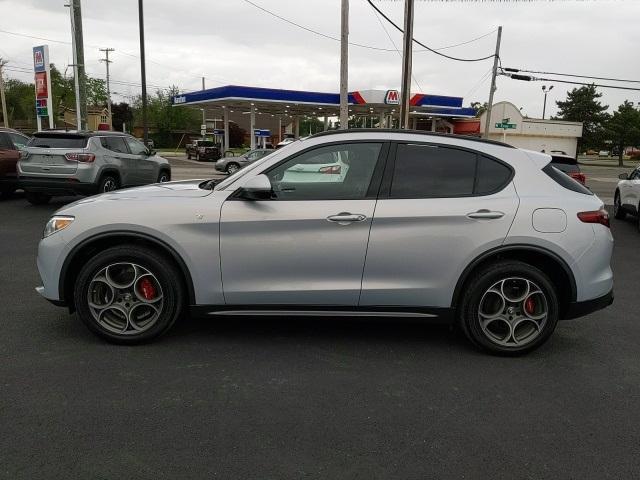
618	211
164	177
509	308
128	294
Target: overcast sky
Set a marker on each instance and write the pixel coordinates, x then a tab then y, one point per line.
232	42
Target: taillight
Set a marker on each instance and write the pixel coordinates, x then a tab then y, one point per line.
332	170
80	157
595	216
580	177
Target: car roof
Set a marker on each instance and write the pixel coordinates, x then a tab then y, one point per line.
410	132
81	133
12	130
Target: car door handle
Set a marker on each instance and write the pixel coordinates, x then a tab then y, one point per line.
344	218
485	214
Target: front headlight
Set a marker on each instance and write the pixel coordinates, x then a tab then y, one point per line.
57	223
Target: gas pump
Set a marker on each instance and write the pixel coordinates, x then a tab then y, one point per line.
218	139
261	137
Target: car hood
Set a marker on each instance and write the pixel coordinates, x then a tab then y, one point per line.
179	189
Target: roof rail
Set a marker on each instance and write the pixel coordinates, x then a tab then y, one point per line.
412	132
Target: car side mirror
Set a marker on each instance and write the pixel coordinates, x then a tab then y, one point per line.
150	152
257	188
623	176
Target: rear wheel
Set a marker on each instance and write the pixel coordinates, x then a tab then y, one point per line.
108	183
6	194
37	198
509	308
127	294
164	177
618	211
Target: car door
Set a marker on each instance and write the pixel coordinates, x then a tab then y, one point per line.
307	244
9	155
630	191
438	209
143	168
117	155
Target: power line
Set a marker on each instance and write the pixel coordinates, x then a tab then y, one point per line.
370	47
529	78
422	44
515	70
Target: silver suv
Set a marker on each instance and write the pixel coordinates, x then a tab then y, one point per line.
69	163
360	222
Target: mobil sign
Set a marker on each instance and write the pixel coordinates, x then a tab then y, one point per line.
392	97
42	82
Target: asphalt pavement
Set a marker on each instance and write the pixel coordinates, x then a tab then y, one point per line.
310	398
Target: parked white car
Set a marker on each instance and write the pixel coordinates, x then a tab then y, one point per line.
627	197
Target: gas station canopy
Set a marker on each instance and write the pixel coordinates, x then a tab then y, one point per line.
289	106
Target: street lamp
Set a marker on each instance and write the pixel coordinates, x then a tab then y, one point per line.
545	90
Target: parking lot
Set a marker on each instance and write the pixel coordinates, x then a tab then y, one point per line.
304	397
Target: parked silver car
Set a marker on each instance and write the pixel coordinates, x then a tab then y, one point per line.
420	225
231	165
69	163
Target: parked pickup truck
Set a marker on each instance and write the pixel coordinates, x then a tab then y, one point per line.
203	150
11	143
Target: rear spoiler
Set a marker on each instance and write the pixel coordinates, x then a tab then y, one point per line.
539	158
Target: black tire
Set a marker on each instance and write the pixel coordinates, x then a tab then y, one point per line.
164	176
232	168
163	268
481	282
108	183
618	211
188	156
37	198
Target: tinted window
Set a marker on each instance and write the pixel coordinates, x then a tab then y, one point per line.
430	171
332	172
136	147
565	180
44	140
115	144
20	141
5	142
566	167
492	176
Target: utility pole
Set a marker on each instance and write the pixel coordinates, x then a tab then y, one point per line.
107	62
545	90
78	64
202	83
5	117
407	57
145	127
487	122
344	65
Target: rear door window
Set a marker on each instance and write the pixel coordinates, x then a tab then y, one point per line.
430	171
115	144
20	141
5	142
58	141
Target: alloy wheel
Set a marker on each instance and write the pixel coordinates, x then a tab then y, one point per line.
109	185
163	178
513	312
125	298
233	168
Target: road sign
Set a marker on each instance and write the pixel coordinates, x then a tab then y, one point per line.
506	125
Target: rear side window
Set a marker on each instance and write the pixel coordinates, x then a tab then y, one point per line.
115	144
425	171
5	142
565	180
58	141
20	141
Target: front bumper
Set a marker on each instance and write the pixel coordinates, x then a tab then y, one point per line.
580	309
56	186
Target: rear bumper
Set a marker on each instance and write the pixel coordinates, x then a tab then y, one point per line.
580	309
56	186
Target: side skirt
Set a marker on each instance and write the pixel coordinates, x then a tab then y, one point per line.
436	314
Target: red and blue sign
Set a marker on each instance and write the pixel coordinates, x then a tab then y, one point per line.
39	59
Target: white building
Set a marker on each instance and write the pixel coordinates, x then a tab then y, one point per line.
532	133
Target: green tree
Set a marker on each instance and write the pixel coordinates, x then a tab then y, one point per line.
582	105
480	108
20	102
623	128
121	114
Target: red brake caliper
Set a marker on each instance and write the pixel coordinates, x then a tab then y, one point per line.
530	305
147	289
